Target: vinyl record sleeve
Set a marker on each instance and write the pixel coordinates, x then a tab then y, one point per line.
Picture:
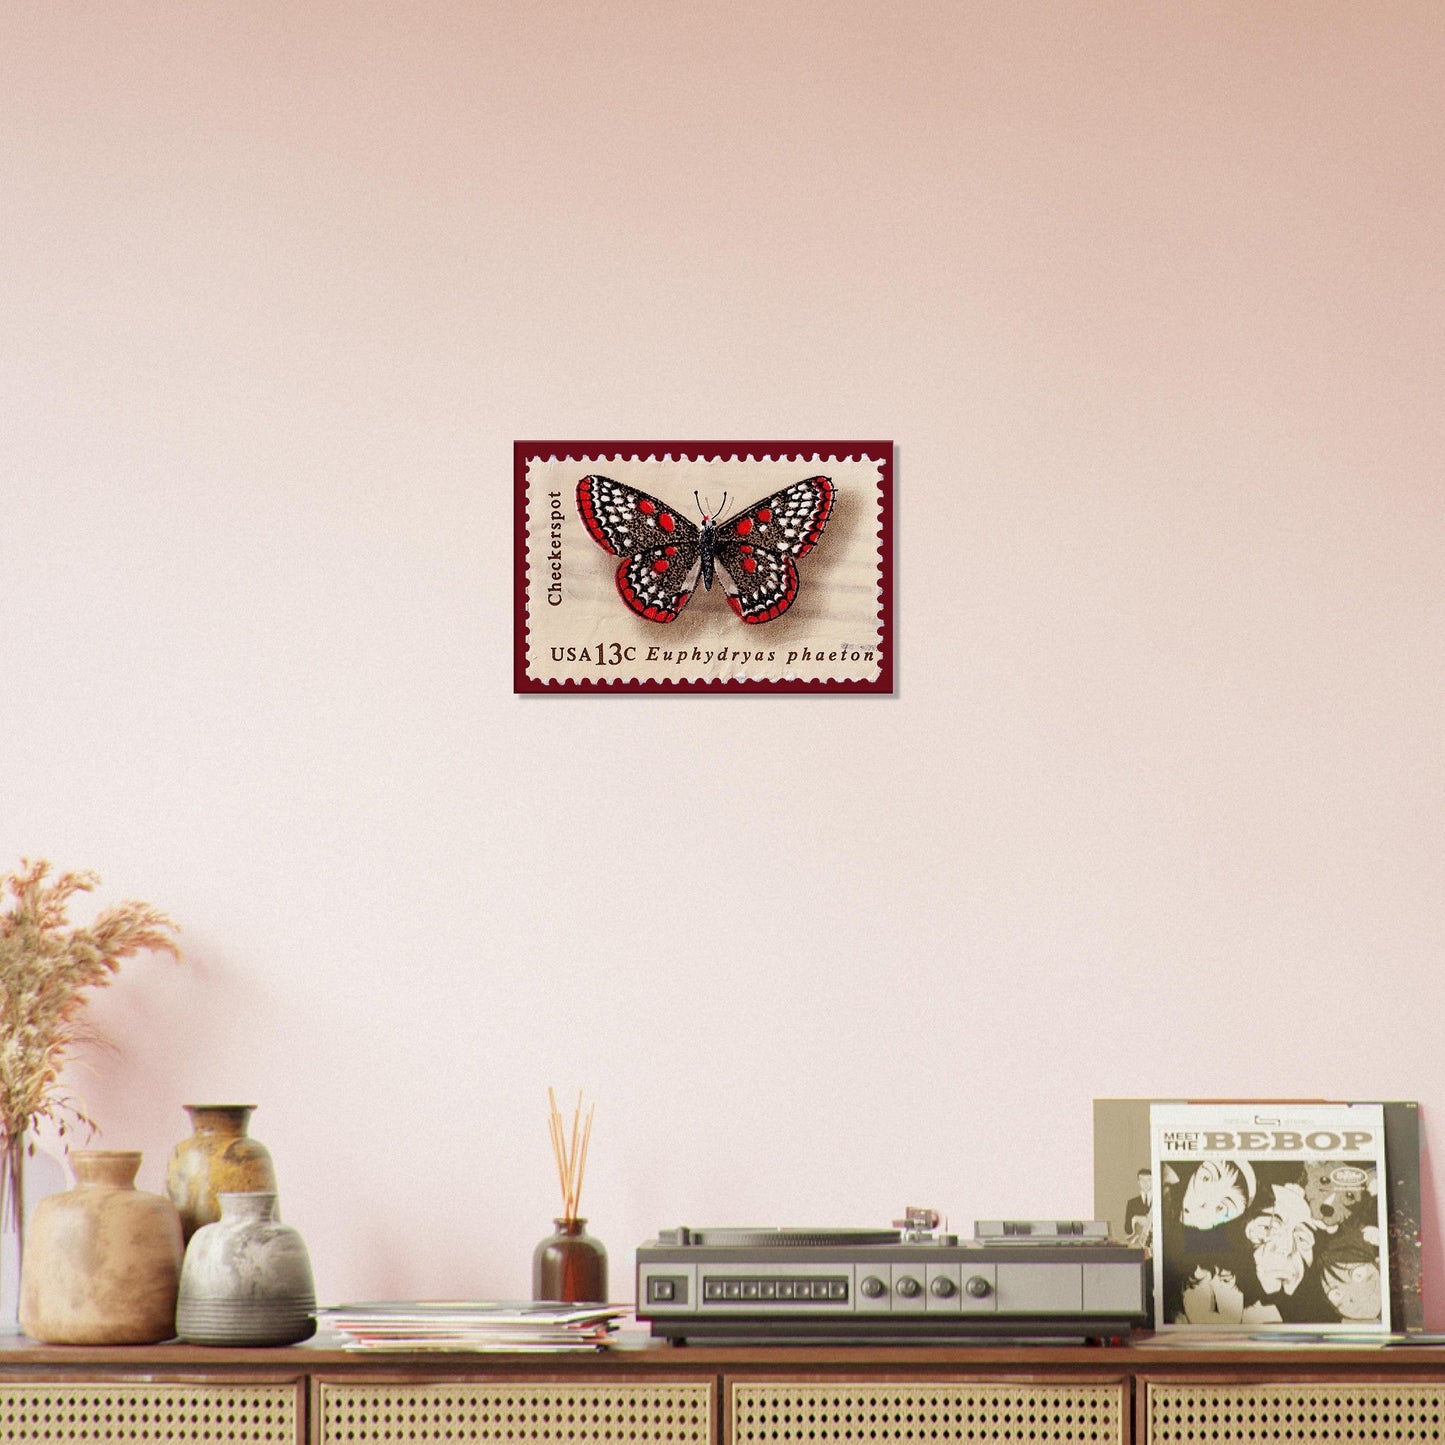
1270	1218
1123	1188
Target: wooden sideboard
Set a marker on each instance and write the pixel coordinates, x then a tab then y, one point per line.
645	1393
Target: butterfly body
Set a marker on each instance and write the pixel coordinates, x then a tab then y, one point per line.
665	555
707	551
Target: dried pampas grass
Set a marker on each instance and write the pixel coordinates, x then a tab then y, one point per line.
47	968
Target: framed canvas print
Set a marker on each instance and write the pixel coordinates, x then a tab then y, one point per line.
675	566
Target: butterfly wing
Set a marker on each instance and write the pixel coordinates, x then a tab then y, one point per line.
758	547
659	548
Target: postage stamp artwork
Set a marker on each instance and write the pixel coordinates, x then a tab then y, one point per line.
760	566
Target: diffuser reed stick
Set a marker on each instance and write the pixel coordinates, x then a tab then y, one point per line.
570	1151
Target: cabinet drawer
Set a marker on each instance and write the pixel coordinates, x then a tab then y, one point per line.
1324	1413
827	1414
651	1413
110	1413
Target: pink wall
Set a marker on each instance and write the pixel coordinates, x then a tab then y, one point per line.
1151	298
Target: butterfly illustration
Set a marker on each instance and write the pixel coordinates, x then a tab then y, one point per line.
665	554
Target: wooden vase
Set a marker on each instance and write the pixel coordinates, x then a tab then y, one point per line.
220	1157
102	1262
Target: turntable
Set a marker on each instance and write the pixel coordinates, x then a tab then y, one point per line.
1030	1279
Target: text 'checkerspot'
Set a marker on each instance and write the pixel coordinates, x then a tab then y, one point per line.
665	554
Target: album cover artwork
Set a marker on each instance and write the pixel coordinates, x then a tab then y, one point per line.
1124	1186
684	566
1270	1218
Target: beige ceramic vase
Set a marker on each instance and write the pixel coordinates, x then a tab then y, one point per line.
220	1157
102	1261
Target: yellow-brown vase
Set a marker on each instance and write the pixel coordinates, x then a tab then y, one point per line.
102	1261
220	1157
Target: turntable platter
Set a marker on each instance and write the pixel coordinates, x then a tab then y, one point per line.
788	1238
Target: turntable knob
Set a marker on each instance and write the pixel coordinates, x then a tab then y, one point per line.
873	1287
908	1287
942	1286
978	1286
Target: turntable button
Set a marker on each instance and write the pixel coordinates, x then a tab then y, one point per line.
837	1289
768	1289
873	1287
908	1287
785	1289
750	1289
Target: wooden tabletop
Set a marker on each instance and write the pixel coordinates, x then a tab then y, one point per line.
635	1350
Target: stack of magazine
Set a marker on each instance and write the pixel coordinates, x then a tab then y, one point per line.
472	1325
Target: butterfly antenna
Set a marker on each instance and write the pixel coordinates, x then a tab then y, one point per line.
701	510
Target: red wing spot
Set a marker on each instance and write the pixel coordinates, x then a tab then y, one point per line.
745	548
661	565
765	515
666	522
671	551
749	565
645	507
744	527
682	601
735	605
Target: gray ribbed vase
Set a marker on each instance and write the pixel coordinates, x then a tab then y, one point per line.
246	1279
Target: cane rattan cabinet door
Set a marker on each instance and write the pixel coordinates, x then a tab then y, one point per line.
1299	1413
150	1413
647	1412
892	1413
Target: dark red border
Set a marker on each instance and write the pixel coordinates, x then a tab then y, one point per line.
877	451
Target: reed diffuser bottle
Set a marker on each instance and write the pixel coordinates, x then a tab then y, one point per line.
570	1266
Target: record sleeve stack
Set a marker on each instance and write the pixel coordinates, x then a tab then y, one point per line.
473	1325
